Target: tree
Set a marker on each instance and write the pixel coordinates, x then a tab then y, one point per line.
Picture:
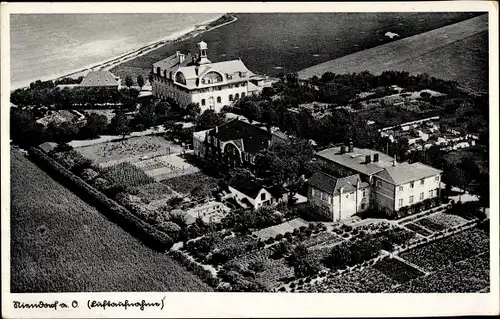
251	110
147	115
140	81
95	125
129	81
193	110
209	119
150	78
120	124
269	116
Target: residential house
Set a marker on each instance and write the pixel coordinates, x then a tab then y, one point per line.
252	194
338	198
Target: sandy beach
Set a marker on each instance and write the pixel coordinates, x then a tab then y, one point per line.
112	62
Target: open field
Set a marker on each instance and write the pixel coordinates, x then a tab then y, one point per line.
456	52
61	244
129	150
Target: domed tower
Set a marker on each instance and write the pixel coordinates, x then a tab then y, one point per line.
202	48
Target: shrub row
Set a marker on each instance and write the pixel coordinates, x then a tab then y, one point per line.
195	268
115	212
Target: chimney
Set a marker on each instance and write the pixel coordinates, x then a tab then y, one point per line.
351	146
375	157
357	184
343	149
217	129
177	53
182	57
394	161
368	159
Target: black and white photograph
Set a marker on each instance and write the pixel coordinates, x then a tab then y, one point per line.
272	152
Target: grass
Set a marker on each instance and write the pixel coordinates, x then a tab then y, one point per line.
61	244
456	52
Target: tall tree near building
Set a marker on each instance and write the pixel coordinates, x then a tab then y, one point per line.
140	81
193	110
209	119
129	81
119	124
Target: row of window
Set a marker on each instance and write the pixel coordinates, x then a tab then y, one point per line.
411	199
219	99
327	197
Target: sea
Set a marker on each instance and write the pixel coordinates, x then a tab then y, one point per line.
44	45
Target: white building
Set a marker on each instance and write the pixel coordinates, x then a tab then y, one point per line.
194	78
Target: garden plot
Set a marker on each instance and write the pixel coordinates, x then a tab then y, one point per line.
446	220
323	240
416	228
397	270
366	280
153	191
165	167
470	275
289	226
129	150
442	252
274	271
185	184
126	175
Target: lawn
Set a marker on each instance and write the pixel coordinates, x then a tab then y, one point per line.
470	275
61	244
131	149
397	270
442	252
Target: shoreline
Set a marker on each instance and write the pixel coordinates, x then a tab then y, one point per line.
110	63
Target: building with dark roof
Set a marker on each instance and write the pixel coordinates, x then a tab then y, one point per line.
250	193
193	78
338	198
234	144
101	78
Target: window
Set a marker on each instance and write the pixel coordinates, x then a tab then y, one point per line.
421	195
436	178
422	181
263	196
219	100
400	188
411	200
202	101
364	193
230	97
363	206
400	202
242	94
244	84
236	96
412	184
379	183
430	193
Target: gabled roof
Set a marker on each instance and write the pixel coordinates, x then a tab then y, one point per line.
356	160
99	78
333	185
404	173
254	138
246	186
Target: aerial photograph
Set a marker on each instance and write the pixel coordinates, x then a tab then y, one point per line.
335	152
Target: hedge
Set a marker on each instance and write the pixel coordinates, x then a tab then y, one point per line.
195	268
150	236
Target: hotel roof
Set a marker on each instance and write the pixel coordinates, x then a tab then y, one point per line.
99	78
334	185
356	160
404	173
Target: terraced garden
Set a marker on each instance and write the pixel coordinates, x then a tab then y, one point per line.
397	270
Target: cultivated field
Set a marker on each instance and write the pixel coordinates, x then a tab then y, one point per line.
187	183
165	167
129	150
456	52
61	244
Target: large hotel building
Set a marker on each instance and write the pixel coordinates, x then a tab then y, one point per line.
194	78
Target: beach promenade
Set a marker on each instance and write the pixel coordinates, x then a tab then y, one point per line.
400	54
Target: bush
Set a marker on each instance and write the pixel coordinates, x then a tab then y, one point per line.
195	268
278	237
